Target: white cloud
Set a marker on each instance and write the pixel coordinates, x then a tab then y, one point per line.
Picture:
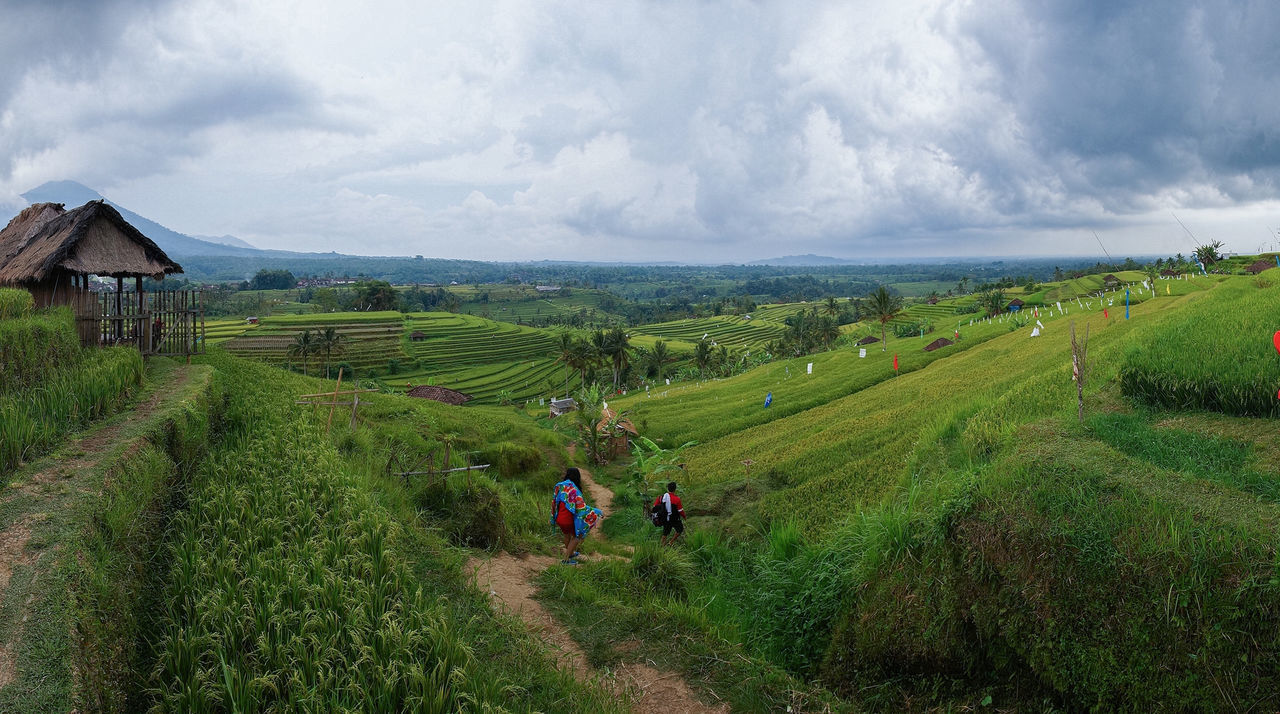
687	131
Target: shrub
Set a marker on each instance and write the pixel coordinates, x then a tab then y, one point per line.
663	570
14	303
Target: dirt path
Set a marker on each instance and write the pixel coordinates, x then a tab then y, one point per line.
508	580
84	455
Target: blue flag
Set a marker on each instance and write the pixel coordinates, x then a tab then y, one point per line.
768	399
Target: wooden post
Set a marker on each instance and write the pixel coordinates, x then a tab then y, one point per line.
335	398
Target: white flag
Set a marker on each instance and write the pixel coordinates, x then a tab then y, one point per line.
668	381
809	370
1038	324
1035	332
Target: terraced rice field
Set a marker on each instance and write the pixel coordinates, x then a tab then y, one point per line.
219	331
729	330
483	358
371	339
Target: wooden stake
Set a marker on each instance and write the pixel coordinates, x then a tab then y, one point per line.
335	398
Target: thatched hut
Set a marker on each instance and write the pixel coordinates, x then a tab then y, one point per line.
1015	305
868	340
562	406
618	435
439	394
1259	266
52	251
1110	281
1168	273
938	344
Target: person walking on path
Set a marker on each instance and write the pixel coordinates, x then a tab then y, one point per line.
669	505
572	514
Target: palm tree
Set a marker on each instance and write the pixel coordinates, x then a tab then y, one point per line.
303	345
1208	253
1152	276
329	341
616	348
658	357
702	355
832	307
828	331
565	346
993	301
884	306
584	355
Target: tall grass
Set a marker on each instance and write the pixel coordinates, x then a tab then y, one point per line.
291	588
33	346
36	418
1217	355
14	303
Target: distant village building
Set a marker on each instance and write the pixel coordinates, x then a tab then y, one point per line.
324	282
547	288
251	320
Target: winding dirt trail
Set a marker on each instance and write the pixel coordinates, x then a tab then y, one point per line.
508	580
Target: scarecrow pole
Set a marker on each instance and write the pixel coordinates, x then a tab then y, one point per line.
333	403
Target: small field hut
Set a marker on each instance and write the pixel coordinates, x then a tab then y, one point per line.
1015	305
938	344
1168	273
418	336
439	394
868	340
619	435
1259	266
1110	281
562	406
52	252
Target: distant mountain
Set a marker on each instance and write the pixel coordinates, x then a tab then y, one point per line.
176	244
225	240
807	259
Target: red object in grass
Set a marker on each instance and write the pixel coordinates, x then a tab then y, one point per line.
895	363
1275	340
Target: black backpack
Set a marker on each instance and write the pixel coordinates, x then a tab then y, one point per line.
658	515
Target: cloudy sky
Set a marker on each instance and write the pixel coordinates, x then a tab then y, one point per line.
666	130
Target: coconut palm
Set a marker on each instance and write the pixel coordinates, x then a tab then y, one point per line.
1208	253
616	349
659	356
702	355
303	346
565	348
884	306
828	331
330	341
992	301
831	307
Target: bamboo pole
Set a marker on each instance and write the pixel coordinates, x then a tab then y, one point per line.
335	396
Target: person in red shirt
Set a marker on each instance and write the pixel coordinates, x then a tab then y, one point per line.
673	528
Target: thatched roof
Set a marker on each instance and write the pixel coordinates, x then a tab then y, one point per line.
868	340
92	239
1109	278
418	335
439	394
1260	265
621	426
937	344
1167	272
1016	303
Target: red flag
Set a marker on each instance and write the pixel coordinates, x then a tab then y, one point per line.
1104	312
895	362
1275	340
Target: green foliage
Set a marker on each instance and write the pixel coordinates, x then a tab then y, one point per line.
1215	355
67	397
272	280
15	303
32	345
661	569
291	586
